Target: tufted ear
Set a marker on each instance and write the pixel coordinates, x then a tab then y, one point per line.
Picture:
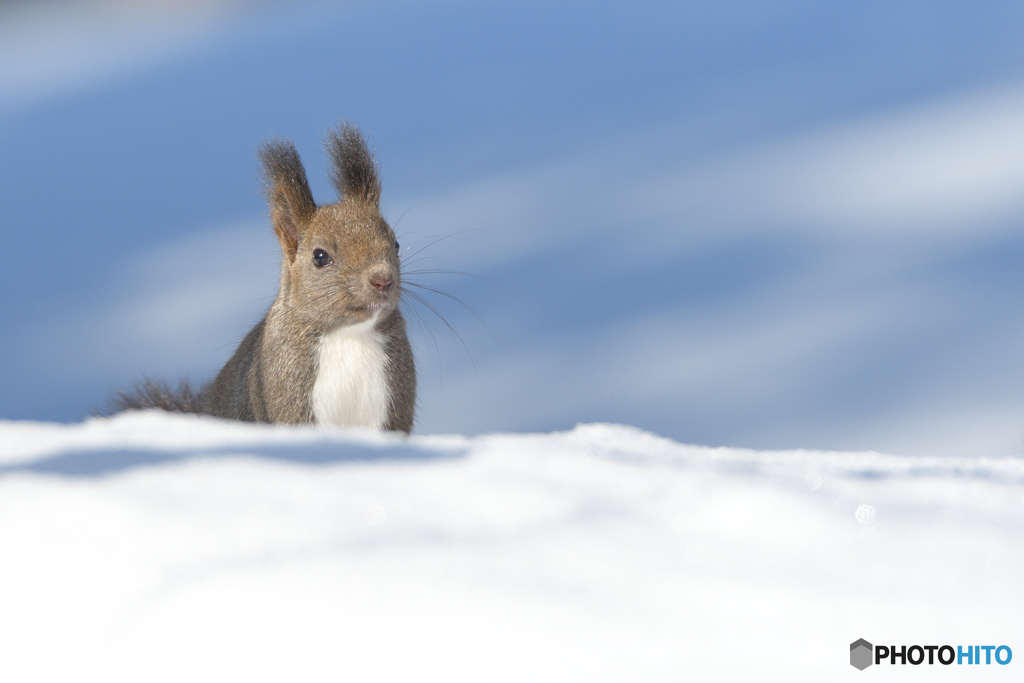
355	172
291	202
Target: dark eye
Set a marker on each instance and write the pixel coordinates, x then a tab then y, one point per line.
321	258
397	248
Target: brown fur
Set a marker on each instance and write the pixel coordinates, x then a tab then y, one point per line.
271	375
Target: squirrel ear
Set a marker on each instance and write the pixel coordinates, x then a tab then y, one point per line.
291	202
355	172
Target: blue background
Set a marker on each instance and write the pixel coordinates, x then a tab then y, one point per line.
774	225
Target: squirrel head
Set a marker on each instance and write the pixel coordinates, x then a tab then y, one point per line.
340	261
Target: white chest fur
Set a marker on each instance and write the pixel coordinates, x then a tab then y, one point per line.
351	388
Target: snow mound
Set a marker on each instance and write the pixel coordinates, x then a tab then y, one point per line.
160	547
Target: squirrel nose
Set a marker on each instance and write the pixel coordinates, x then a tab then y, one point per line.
380	282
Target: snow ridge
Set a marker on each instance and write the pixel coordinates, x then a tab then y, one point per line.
264	552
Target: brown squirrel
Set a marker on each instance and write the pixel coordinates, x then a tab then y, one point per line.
332	349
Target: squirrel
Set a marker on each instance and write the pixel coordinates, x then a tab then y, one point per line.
333	347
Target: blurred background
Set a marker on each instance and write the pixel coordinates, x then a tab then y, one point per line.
773	225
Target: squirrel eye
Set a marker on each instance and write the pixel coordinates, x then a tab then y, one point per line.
397	248
321	258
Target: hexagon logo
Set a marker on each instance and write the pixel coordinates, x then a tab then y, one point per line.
860	654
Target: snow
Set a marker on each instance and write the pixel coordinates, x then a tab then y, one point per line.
160	547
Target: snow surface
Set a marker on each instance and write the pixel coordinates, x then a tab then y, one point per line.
156	547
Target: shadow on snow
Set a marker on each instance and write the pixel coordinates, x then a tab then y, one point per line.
101	462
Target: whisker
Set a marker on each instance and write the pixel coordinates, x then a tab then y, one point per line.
425	327
455	335
459	301
442	238
394	228
442	271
